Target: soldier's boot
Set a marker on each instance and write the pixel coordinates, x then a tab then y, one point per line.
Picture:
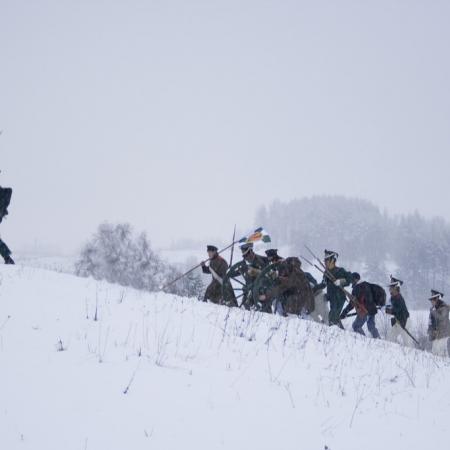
5	252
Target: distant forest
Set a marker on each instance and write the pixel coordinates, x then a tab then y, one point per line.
371	242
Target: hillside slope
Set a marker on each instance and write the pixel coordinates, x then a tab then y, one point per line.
88	365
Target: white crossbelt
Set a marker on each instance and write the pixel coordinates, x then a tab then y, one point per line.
215	275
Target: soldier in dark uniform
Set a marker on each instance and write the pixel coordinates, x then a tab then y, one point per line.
277	302
5	198
367	309
335	294
251	267
217	268
399	312
439	325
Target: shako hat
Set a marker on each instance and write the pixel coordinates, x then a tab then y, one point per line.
330	254
272	253
395	282
436	295
245	248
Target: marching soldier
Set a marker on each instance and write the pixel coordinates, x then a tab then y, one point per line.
217	268
362	292
252	266
293	289
339	279
277	303
439	325
400	314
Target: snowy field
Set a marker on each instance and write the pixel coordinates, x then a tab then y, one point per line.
88	365
63	264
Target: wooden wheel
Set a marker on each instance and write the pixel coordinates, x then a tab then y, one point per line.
234	286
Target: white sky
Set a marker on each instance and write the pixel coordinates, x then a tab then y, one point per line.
182	117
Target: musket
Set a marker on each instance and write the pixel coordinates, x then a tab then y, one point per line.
419	346
312	264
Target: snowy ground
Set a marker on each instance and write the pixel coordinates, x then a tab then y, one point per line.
87	365
63	264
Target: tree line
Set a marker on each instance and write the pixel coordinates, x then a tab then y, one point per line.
370	241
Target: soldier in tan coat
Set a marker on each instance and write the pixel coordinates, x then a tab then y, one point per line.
439	325
293	287
217	268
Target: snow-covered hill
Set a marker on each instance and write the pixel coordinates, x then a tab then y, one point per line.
88	365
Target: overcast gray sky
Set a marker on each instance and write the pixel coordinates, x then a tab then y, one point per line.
182	117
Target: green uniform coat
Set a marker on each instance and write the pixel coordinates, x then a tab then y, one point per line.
335	295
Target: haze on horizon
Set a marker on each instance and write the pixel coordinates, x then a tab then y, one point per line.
182	118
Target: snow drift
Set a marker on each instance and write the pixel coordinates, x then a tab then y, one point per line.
89	365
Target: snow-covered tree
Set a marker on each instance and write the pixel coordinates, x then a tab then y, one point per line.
117	255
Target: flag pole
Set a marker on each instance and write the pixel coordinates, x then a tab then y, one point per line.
232	248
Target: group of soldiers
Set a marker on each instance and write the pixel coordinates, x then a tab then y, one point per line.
293	291
278	285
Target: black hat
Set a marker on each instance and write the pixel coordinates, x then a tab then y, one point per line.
246	247
330	254
395	282
272	253
356	276
211	248
436	295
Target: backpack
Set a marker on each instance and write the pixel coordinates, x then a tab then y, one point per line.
379	294
5	199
